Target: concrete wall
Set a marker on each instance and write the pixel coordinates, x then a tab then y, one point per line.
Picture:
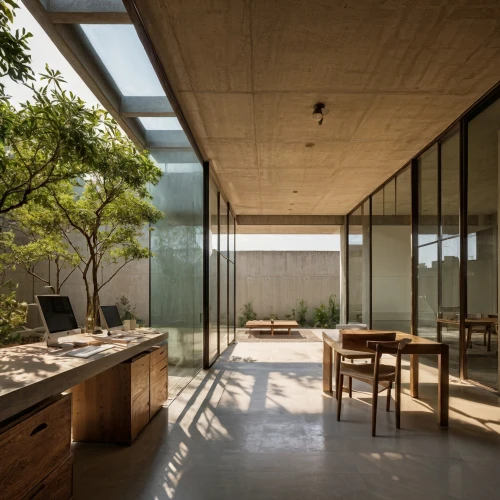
132	282
276	281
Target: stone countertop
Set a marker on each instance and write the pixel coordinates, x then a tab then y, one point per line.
33	372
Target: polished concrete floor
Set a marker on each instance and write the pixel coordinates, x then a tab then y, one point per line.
257	426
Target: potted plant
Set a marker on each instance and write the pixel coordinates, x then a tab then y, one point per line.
127	313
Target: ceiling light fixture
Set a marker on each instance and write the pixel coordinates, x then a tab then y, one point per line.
319	112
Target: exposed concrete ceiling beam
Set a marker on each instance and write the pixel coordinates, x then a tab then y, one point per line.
290	220
89	18
132	106
86	12
166	139
83	5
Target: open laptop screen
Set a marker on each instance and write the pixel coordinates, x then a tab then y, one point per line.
111	316
57	312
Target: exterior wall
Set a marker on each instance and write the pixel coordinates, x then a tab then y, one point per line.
276	281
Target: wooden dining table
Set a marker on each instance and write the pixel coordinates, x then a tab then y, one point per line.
470	323
333	348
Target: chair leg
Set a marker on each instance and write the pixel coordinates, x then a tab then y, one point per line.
350	382
388	404
398	400
374	407
339	397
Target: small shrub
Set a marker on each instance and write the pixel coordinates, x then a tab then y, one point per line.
12	316
333	311
301	313
321	319
126	309
248	314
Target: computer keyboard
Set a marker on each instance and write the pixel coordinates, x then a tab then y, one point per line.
87	352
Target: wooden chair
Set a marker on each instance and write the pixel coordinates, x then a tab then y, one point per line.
352	355
476	329
377	374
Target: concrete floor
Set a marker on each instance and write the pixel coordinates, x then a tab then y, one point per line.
257	426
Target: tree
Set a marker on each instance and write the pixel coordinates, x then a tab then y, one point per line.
50	139
39	229
15	60
107	220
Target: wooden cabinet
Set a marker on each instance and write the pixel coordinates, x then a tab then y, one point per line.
114	406
33	447
158	389
58	485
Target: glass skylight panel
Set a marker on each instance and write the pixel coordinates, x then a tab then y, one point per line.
123	55
160	123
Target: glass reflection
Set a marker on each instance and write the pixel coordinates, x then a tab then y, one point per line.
359	265
177	265
482	229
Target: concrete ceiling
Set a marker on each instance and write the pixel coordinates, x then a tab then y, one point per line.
393	75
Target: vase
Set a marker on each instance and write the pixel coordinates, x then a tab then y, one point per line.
129	324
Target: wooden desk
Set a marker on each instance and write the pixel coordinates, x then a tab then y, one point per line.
332	343
31	373
274	325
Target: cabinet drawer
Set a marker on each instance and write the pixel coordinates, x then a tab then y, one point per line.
33	446
160	370
158	354
56	486
158	394
139	374
140	413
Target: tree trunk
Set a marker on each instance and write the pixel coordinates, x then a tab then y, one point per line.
89	312
95	294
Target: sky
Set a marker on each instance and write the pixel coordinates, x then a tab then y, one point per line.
43	52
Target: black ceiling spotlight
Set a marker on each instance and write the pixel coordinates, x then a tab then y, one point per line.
319	112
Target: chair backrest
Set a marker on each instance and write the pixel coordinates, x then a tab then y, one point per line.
387	347
474	315
392	347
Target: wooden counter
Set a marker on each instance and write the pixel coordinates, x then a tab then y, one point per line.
31	373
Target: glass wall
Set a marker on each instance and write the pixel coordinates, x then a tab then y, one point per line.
358	244
213	342
222	274
482	247
232	279
444	207
428	235
176	272
391	255
449	290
